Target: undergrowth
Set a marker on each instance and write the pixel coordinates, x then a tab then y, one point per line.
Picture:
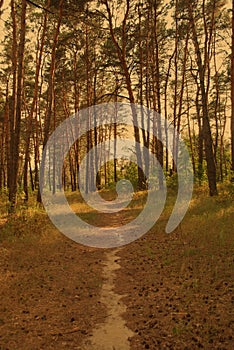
211	215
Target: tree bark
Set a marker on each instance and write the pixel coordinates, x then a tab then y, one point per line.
121	52
17	104
50	99
232	91
211	167
33	105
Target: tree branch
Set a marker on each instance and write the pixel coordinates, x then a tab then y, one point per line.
39	6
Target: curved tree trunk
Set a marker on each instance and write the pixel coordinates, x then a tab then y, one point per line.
121	52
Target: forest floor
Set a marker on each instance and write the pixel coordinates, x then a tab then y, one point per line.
163	291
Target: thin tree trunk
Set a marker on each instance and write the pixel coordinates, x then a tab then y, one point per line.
175	87
166	112
211	168
232	92
15	130
50	100
181	99
158	96
189	128
33	105
5	139
121	52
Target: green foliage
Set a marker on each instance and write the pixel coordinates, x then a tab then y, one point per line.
130	173
172	182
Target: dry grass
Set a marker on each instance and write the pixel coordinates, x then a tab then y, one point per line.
179	286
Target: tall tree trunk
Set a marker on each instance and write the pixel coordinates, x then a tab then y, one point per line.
15	128
121	52
158	95
232	91
175	86
5	137
189	128
166	111
211	167
50	99
33	105
181	98
144	131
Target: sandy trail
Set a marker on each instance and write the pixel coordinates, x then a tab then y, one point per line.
113	333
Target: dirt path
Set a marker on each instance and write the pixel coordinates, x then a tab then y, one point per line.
113	333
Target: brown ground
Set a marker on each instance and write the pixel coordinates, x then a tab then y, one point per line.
178	288
49	295
179	297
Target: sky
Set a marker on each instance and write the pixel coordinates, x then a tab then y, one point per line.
4	16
